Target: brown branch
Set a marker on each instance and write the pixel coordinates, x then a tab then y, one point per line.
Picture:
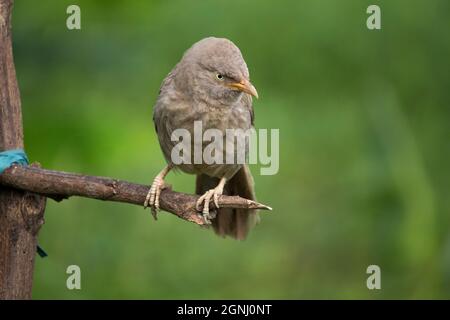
21	213
61	185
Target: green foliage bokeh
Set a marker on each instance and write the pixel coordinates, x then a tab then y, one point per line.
364	156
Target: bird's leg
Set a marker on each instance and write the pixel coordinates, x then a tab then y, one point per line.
152	198
206	199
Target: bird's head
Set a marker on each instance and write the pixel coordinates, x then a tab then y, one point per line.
214	70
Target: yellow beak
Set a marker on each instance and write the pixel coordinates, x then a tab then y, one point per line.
245	86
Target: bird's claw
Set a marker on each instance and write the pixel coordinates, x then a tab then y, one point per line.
152	198
206	199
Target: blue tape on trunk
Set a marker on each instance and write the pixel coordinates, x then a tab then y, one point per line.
10	157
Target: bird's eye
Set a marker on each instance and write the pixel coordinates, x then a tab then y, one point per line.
219	76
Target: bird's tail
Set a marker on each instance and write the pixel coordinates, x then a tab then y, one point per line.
232	222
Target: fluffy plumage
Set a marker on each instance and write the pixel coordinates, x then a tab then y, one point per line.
200	88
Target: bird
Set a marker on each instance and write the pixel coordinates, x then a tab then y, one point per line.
211	84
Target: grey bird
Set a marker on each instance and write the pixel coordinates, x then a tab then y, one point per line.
211	84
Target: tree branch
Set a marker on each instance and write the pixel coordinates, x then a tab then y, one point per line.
61	185
21	213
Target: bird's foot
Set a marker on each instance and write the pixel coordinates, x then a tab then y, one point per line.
205	199
152	199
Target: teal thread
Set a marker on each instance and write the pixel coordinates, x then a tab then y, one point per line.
41	252
10	157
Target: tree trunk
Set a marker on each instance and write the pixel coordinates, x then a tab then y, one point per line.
21	213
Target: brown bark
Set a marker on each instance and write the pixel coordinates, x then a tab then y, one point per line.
61	185
21	213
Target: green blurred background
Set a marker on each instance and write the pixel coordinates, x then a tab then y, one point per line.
364	126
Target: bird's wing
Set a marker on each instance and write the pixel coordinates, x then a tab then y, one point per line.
160	117
166	83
